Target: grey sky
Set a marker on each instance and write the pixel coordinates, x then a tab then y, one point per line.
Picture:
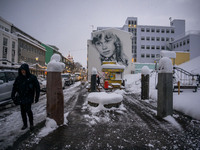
67	23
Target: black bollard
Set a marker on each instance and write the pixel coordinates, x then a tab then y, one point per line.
165	88
93	80
144	86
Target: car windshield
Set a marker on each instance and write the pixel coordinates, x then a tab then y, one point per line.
65	76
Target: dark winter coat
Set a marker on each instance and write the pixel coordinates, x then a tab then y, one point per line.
26	87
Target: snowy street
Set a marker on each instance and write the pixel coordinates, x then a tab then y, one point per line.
133	125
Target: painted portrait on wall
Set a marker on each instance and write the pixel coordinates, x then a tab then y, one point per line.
109	47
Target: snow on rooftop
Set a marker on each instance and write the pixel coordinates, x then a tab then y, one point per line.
169	54
112	66
165	65
145	70
55	65
192	65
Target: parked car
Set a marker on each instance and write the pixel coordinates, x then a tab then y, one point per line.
78	76
67	79
7	78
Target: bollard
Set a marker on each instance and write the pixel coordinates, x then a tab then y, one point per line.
165	88
55	98
145	83
178	87
93	80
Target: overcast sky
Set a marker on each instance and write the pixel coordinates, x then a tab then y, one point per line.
67	24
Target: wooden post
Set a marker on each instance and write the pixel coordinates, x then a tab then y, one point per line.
55	98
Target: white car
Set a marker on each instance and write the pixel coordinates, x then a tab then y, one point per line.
7	78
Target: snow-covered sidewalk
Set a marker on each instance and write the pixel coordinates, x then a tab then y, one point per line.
11	122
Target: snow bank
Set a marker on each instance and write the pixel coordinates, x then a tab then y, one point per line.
55	65
169	54
188	103
165	65
145	70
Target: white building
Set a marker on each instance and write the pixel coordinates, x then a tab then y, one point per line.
8	44
188	42
148	41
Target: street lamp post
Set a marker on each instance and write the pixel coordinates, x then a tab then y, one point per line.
36	58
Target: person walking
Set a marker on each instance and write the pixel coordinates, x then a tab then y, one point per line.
26	90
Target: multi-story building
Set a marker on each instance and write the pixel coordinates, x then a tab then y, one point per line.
148	41
8	44
30	49
187	42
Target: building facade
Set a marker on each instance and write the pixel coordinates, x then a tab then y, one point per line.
148	41
8	44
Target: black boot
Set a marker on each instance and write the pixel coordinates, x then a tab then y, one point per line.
24	127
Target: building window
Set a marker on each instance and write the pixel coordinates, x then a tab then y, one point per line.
157	38
147	30
152	55
180	43
153	38
172	39
184	42
163	47
142	55
147	55
142	29
167	39
13	51
158	30
157	47
152	47
147	38
188	41
152	30
163	31
157	55
177	45
162	39
167	30
174	46
142	38
142	47
172	30
147	47
5	47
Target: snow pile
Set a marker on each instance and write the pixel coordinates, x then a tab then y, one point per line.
103	98
94	71
188	103
50	126
192	66
171	120
169	54
145	70
165	65
55	65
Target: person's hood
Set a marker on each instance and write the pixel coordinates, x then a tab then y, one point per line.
24	67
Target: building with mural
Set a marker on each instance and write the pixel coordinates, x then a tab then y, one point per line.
149	40
109	45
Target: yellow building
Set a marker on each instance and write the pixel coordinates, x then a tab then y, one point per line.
182	57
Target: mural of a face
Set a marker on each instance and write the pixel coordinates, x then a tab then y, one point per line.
105	45
109	47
